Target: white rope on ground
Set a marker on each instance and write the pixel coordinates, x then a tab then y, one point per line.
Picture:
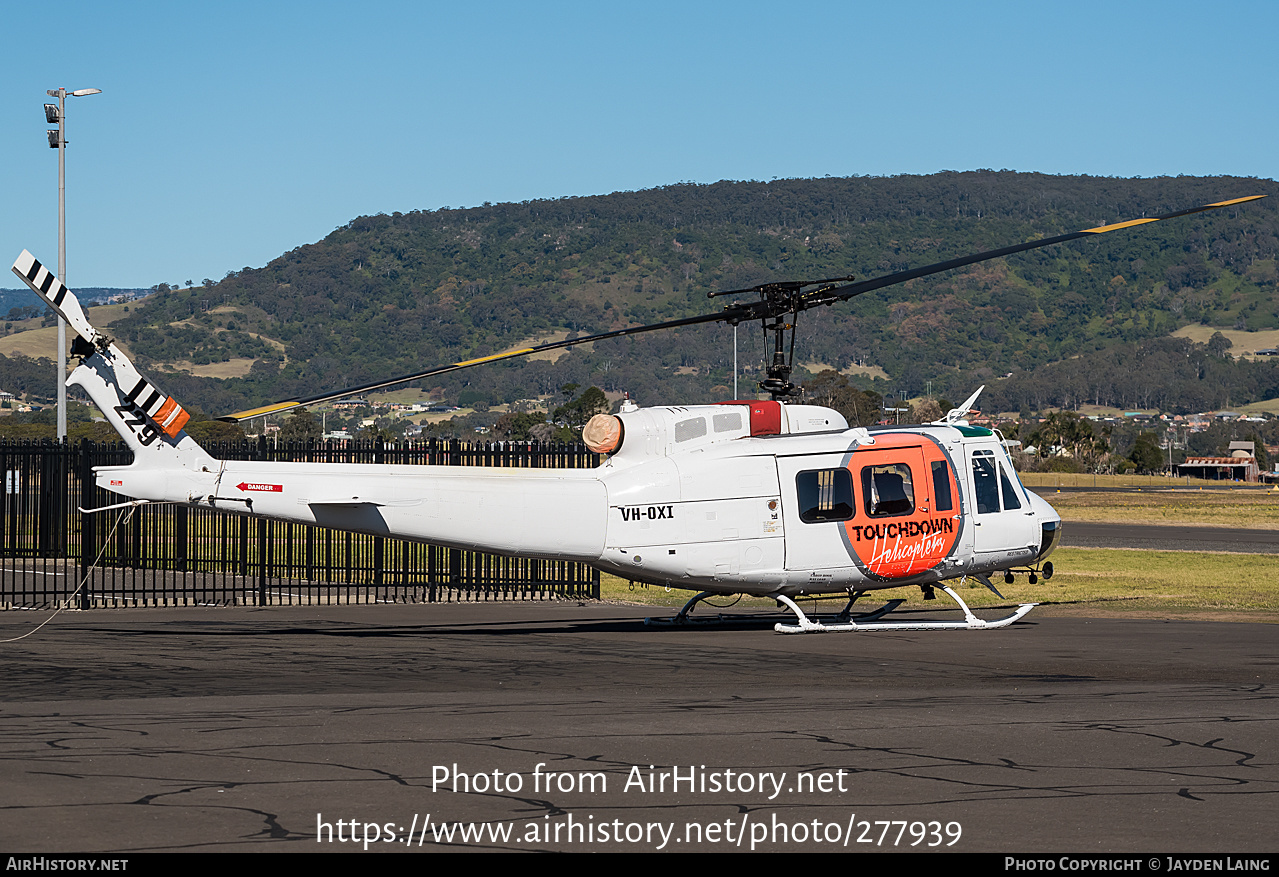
125	514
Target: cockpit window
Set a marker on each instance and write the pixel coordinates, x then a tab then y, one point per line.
985	482
1006	487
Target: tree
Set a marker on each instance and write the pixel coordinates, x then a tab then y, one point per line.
575	414
375	433
301	426
1064	432
926	411
209	432
1146	455
832	389
517	427
1263	459
1219	345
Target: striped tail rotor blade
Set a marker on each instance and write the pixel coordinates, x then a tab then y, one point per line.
162	410
45	284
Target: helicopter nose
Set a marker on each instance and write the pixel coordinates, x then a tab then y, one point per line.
1049	525
1050	535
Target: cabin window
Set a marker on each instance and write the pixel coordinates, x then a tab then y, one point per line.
889	490
985	482
730	422
943	501
824	495
694	427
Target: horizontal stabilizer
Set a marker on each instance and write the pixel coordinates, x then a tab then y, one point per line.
360	501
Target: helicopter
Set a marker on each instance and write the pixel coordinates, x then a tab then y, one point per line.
771	498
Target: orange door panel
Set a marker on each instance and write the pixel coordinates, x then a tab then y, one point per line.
908	516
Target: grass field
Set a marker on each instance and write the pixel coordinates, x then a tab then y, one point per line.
1242	341
34	343
1071	479
873	371
232	368
1248	509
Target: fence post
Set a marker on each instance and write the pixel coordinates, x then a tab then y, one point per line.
243	527
310	554
88	534
52	515
262	561
432	576
181	531
455	570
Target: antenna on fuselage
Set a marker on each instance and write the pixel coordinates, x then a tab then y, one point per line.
956	415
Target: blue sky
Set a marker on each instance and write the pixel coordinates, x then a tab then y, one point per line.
229	133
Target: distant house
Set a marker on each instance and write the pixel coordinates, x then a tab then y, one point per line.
1240	465
1242	449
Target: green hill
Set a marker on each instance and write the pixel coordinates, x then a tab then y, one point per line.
387	295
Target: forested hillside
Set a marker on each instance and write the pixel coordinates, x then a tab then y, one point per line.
1085	321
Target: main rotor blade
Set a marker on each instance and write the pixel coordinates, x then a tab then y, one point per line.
737	312
842	293
280	407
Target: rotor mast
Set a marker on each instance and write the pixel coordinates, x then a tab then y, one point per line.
778	311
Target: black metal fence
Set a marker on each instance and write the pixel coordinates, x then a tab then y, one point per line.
173	555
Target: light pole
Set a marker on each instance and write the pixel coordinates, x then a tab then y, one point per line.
57	113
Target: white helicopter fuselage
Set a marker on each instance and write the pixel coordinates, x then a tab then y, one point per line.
747	497
755	497
809	506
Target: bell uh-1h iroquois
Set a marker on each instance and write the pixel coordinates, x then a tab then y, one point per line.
768	498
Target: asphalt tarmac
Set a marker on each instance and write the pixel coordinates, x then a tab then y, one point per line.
256	730
1164	537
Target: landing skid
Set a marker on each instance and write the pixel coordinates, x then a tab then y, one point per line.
684	617
970	622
